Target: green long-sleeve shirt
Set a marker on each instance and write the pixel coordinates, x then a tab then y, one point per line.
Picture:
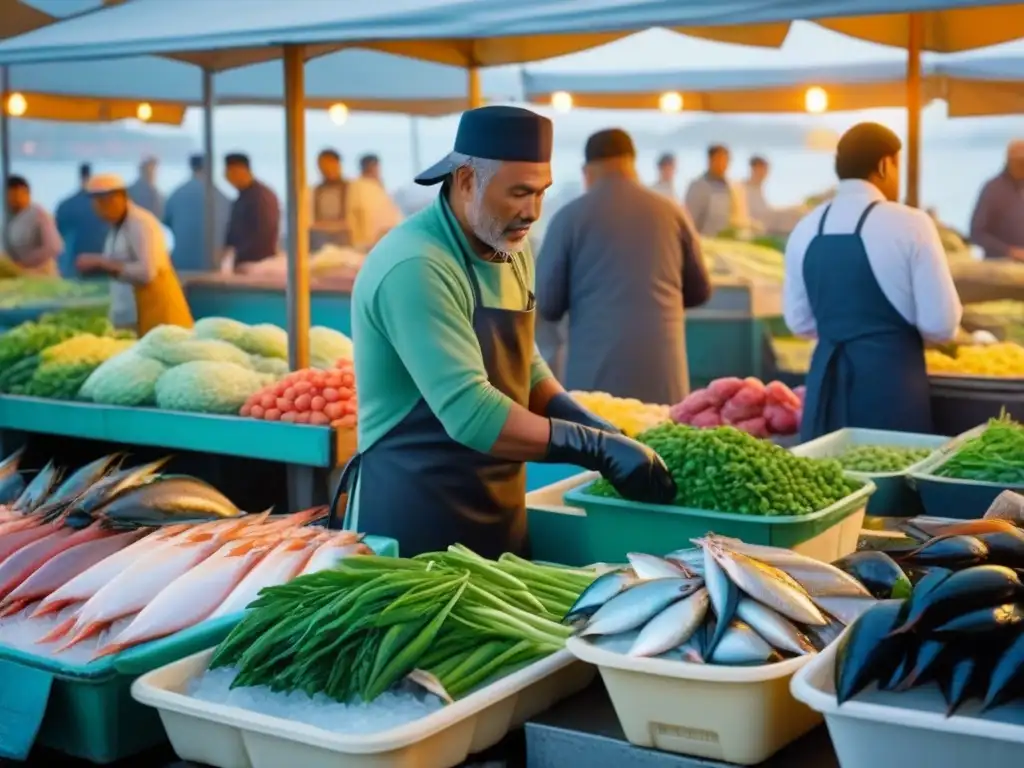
412	328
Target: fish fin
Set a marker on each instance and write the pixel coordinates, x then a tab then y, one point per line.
58	632
89	630
45	609
13	607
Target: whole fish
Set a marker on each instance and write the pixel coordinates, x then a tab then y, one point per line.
12	484
63	567
189	599
877	572
133	589
638	605
22	563
75	484
846	609
647	567
1004	547
770	586
742	645
867	651
978	587
118	481
91	580
947	551
923	664
824	580
776	629
168	500
38	490
282	564
822	637
983	621
673	626
965	678
601	590
31	530
725	596
1007	675
935	527
691	558
331	552
766	554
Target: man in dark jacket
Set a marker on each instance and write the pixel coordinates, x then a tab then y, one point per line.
623	262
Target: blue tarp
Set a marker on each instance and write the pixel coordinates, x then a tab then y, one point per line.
217	26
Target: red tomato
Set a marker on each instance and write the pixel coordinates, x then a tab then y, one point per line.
315	417
273	414
317	403
350	408
334	410
284	404
301	387
330	394
246	410
256	412
348	379
268	400
302	417
289	393
346	393
348	422
288	416
302	402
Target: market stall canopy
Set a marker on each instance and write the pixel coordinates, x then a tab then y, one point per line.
360	80
766	89
985	85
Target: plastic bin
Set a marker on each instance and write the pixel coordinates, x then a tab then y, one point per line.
228	737
737	714
615	527
87	710
557	531
906	730
893	497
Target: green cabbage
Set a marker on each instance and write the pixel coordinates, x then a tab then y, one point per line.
126	379
221	329
190	350
266	340
327	346
274	365
207	386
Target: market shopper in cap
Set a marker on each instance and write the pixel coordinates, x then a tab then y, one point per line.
997	225
145	291
30	237
868	278
623	262
453	396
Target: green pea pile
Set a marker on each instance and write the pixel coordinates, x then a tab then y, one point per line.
881	458
726	470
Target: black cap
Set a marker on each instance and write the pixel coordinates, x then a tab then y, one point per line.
611	142
509	134
17	182
862	148
196	162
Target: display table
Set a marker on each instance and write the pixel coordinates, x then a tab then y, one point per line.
584	731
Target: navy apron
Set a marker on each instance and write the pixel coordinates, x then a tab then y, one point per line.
421	487
868	367
330	201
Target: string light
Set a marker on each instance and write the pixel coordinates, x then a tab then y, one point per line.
338	113
816	100
671	102
561	101
16	105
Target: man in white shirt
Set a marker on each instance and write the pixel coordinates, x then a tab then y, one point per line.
666	183
868	278
371	209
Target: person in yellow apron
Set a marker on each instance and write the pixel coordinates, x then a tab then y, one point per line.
145	291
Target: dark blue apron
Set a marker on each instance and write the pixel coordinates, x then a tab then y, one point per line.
868	367
421	487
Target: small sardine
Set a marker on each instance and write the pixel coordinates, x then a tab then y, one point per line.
742	645
724	598
649	567
673	626
846	609
776	629
637	605
769	585
601	590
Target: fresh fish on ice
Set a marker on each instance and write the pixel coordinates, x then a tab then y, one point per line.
601	590
673	626
281	565
333	551
742	645
168	499
116	482
776	629
26	560
637	605
38	490
691	558
190	598
647	567
12	540
725	596
824	580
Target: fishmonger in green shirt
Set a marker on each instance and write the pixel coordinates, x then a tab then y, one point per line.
453	396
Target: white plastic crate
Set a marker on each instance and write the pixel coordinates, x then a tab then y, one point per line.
230	737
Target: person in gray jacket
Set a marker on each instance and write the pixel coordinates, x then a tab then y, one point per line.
623	261
709	198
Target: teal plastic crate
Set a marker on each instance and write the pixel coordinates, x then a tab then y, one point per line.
615	527
894	495
557	531
86	710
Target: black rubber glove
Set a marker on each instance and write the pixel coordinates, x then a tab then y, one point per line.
636	471
562	406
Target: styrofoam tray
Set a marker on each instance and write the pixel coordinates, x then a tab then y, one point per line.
906	730
229	737
737	714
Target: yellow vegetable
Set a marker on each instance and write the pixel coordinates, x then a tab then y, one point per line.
85	348
1004	360
628	414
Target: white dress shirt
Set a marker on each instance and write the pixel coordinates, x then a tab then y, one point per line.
905	254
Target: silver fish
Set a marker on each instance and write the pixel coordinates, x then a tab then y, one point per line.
769	585
38	490
638	605
742	645
673	626
430	684
846	609
824	580
776	629
79	481
766	554
12	484
649	567
691	558
601	590
724	598
824	636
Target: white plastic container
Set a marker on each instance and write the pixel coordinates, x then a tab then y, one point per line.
739	715
908	730
229	737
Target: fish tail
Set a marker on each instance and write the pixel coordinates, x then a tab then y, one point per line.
109	650
89	630
58	632
45	609
13	607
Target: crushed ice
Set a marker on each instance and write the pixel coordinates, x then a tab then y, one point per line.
22	633
387	711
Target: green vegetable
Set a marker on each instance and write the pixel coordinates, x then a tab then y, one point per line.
206	386
355	632
18	374
220	329
994	456
126	379
27	291
726	470
878	459
327	346
266	340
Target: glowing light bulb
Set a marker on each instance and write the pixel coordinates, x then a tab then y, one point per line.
144	111
816	100
561	101
338	113
671	102
16	105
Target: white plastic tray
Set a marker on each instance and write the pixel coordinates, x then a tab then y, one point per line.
907	730
740	715
229	737
838	442
551	498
